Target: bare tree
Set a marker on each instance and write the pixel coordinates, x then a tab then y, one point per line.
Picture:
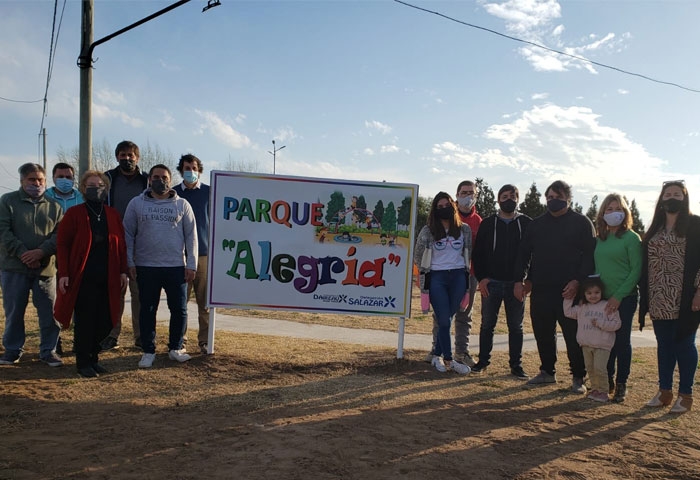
251	166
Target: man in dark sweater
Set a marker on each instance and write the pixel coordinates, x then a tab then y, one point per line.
197	194
126	183
494	255
555	255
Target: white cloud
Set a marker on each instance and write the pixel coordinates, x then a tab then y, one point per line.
389	149
104	112
285	133
169	67
622	91
378	126
105	95
572	143
539	96
222	131
368	151
166	122
532	20
240	119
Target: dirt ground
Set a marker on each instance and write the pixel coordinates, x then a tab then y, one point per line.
282	408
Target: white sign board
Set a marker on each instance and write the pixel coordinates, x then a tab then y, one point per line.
311	244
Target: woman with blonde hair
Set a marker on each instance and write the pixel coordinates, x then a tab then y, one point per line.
618	261
91	258
670	292
442	254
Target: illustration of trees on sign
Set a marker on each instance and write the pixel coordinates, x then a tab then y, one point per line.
335	205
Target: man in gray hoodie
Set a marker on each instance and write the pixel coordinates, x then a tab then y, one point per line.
161	248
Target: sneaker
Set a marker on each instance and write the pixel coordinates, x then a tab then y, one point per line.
429	358
52	360
466	359
109	343
438	364
479	368
203	348
518	373
460	368
577	386
9	359
598	396
179	355
99	368
620	393
661	399
87	372
542	378
147	360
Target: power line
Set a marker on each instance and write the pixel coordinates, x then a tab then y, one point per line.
559	52
21	101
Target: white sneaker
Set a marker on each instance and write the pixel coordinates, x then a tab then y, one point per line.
438	364
179	355
147	360
460	368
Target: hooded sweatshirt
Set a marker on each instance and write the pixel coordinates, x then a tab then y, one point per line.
601	335
160	233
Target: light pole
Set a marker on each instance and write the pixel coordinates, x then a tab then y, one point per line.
274	155
85	64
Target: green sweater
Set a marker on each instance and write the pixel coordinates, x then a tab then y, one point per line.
27	225
618	261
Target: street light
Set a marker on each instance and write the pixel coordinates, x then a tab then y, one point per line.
87	46
274	155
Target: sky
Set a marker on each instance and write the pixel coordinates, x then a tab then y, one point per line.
374	90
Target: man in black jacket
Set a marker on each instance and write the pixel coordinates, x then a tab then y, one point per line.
494	255
126	182
556	254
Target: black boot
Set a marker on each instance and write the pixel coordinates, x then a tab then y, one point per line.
611	385
620	393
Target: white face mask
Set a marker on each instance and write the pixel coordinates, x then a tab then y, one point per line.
614	219
466	202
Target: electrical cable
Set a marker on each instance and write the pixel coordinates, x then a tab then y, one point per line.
559	52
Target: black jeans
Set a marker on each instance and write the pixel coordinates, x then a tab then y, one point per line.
546	309
92	320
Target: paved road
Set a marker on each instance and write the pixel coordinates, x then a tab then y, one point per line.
284	328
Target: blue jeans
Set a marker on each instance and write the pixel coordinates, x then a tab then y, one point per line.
622	350
151	280
447	287
671	350
501	293
15	292
463	322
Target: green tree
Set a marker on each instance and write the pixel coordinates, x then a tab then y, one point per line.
389	219
486	200
577	207
335	205
637	224
361	205
532	206
592	212
378	212
422	213
404	217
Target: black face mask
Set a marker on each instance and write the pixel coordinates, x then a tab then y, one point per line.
445	213
508	206
159	186
95	194
127	165
556	204
672	205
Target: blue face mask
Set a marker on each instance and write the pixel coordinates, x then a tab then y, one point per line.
189	176
64	185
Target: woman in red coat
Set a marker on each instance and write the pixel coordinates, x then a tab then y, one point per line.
91	258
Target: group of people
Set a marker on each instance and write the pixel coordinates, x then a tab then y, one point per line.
77	250
588	279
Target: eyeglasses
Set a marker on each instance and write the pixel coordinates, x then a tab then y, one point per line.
442	244
674	182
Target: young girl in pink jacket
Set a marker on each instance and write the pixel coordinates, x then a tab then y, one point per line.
595	333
